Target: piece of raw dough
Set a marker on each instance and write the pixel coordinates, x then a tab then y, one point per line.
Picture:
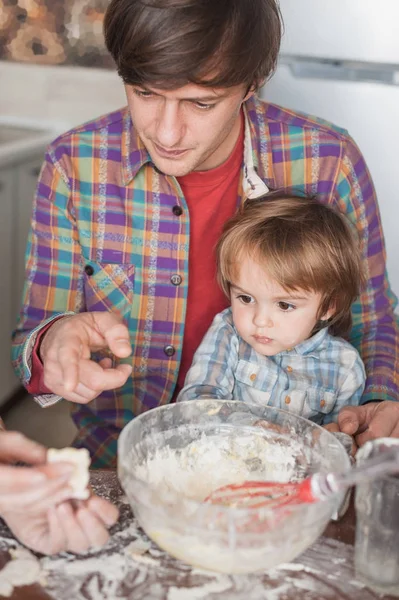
138	547
79	479
23	569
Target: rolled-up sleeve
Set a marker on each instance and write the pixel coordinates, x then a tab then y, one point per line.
54	267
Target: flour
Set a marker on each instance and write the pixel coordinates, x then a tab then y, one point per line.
118	572
23	569
179	479
211	462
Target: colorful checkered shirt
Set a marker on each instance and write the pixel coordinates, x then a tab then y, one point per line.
315	379
105	236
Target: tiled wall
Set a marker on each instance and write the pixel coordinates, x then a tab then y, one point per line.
53	32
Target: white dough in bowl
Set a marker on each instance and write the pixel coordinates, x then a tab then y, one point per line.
79	479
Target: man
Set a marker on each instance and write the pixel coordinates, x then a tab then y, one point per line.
34	501
129	208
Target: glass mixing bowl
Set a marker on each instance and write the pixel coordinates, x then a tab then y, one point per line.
170	458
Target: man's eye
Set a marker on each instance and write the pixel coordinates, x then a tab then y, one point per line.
285	306
245	299
203	106
142	93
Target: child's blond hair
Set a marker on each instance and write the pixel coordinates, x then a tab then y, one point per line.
302	244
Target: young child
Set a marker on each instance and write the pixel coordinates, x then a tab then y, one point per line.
291	268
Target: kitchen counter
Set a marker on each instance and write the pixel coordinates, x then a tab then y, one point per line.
130	566
21	138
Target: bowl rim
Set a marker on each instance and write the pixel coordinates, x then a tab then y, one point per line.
230	510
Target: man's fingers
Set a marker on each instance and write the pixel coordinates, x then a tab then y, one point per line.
351	419
69	358
97	379
14	446
106	363
333	427
118	340
112	379
364	437
381	425
125	371
395	431
69	370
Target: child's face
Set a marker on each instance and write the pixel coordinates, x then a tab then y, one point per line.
266	316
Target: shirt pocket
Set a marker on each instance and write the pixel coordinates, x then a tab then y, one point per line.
320	401
109	286
254	383
293	401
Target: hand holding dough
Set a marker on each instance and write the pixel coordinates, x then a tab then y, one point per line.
80	458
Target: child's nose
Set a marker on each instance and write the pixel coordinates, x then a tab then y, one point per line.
263	319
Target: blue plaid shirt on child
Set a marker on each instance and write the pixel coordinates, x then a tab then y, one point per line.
315	379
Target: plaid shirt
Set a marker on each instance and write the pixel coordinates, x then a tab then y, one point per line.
105	236
314	380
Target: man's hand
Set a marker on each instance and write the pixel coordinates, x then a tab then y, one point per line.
34	501
66	350
370	421
333	427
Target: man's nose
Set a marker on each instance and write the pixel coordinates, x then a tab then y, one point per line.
169	125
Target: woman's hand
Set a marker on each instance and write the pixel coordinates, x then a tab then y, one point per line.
35	501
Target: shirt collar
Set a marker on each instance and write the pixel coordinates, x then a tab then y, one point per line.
311	344
255	171
134	153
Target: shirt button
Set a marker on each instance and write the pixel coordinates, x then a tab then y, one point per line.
322	403
289	349
252	377
287	399
169	350
176	279
289	369
177	210
89	270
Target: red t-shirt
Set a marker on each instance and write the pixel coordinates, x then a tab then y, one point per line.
212	198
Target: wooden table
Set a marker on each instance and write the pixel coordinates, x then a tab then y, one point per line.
324	571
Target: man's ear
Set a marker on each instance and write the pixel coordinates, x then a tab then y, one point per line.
250	92
253	88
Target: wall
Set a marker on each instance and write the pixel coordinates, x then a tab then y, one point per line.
53	32
58	96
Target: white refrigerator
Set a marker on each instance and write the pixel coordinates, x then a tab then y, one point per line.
340	61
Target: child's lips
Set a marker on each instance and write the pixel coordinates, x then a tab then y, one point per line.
262	339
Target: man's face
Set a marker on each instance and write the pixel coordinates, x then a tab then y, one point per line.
193	128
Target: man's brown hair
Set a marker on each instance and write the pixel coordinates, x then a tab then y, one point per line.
302	244
215	43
